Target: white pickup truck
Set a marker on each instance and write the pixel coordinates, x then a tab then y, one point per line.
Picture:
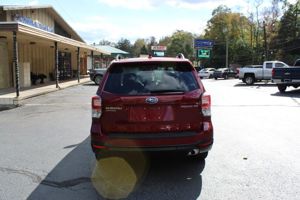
253	73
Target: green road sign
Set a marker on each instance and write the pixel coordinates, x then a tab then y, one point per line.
203	53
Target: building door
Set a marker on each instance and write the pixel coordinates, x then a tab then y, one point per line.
64	65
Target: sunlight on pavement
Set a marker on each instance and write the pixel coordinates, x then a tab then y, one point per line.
116	177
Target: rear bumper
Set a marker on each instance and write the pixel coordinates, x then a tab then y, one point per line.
287	82
203	147
204	75
202	141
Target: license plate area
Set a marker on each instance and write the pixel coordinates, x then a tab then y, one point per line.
151	113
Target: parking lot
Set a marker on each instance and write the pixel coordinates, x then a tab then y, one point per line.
45	152
256	141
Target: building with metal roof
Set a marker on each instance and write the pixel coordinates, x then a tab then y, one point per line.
36	40
112	50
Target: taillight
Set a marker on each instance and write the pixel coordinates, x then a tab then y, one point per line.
96	107
273	72
205	105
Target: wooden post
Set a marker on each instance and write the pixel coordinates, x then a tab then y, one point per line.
93	62
56	64
78	64
16	63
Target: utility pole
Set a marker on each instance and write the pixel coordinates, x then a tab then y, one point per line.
226	51
257	4
265	42
225	31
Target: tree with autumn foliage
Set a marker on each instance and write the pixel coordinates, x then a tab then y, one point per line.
287	42
234	27
181	42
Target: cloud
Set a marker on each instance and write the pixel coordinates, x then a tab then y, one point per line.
204	4
33	3
239	5
131	4
185	4
98	28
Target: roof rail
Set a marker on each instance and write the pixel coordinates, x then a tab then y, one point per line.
180	56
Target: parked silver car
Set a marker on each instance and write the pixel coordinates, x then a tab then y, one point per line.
206	72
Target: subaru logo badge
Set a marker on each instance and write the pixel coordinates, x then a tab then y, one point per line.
152	100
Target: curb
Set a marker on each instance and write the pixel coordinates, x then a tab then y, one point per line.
16	101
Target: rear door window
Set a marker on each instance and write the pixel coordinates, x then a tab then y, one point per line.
279	65
269	65
150	78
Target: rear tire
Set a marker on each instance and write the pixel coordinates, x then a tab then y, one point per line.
216	78
249	80
281	88
97	79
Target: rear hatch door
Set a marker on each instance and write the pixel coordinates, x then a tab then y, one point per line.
161	97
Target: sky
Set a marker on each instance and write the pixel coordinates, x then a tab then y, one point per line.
96	20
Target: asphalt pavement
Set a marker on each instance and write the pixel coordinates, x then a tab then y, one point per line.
45	151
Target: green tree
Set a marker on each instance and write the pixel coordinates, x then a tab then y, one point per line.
234	28
106	42
165	41
151	42
144	50
271	24
139	47
181	42
125	45
288	41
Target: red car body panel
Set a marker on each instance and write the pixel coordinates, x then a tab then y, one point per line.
174	122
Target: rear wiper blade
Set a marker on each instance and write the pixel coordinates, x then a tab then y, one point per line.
167	91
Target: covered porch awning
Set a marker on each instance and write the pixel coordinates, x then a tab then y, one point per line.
29	33
18	33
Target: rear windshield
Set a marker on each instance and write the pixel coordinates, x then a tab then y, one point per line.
149	78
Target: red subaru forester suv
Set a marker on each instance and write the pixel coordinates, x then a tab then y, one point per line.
152	104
